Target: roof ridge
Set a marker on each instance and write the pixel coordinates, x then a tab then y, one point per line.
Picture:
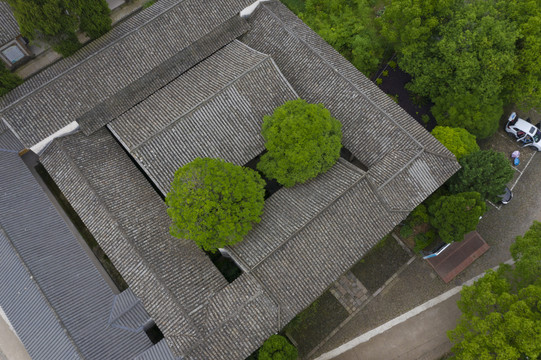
49	305
202	103
361	177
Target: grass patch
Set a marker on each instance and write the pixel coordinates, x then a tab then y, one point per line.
316	322
149	4
82	229
380	263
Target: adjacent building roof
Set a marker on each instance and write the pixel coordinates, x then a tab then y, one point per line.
205	113
121	68
9	29
57	301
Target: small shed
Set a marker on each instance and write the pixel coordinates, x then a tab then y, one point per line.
13	49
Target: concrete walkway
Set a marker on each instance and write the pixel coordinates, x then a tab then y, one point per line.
11	348
424	336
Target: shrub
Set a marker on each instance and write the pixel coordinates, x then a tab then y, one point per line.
406	231
149	4
8	80
392	64
425	118
302	140
424	240
277	347
95	18
379	81
385	73
68	47
214	203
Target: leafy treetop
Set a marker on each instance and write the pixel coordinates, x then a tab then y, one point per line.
456	215
526	252
303	140
214	203
56	21
277	347
8	80
459	141
486	172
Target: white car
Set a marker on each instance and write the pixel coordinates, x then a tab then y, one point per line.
526	133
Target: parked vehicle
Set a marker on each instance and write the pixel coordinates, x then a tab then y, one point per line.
525	132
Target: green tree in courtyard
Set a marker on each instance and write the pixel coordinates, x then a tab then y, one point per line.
486	172
56	21
8	80
214	203
456	215
303	140
459	141
277	347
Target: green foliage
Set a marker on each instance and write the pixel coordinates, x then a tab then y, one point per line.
385	73
68	46
56	21
8	80
526	252
406	231
459	141
425	118
468	57
418	216
423	240
277	347
95	19
392	64
486	172
303	140
456	215
149	4
379	81
501	312
348	26
496	322
214	203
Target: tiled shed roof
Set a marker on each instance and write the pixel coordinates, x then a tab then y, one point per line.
375	129
213	110
54	295
9	29
101	81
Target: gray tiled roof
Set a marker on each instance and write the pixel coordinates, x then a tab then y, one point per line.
109	67
9	29
311	233
127	312
172	277
205	113
45	256
375	129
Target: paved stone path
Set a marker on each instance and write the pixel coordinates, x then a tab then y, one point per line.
349	291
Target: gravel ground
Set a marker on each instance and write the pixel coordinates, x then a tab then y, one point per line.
419	283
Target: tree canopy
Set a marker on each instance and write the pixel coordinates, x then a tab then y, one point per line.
302	141
8	80
468	57
459	141
277	347
456	215
56	21
347	25
214	203
486	172
501	315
